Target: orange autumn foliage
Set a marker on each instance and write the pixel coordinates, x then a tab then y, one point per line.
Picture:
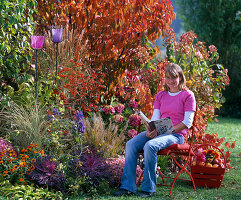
114	30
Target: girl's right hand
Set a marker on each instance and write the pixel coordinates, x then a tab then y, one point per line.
151	134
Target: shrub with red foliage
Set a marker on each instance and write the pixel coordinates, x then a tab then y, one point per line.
81	88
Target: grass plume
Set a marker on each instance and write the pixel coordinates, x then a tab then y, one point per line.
106	138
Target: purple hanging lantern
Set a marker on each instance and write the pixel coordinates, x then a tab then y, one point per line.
57	35
36	43
57	38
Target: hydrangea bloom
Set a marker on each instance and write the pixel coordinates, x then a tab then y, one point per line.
134	120
132	133
117	167
108	109
118	118
119	107
133	104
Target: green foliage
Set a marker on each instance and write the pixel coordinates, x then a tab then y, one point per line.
163	162
217	22
27	192
64	133
16	24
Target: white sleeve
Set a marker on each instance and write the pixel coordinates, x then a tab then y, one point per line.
156	115
188	118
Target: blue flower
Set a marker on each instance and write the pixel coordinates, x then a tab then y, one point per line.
79	115
81	126
56	112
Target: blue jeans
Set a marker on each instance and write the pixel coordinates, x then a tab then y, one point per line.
150	147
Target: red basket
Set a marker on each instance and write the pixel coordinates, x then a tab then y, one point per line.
208	176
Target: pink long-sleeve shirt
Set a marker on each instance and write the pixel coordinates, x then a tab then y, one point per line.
175	106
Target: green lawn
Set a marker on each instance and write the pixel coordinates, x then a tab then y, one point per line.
231	185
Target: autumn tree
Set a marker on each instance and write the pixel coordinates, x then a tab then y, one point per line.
114	30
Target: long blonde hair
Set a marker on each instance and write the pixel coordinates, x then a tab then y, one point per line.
174	71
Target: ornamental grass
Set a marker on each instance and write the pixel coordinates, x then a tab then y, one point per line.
24	125
107	139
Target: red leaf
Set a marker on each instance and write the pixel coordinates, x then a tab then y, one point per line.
233	144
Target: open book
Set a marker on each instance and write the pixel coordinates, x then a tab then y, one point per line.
162	125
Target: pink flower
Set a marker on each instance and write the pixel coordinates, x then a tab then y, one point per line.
132	133
108	109
212	48
199	55
119	108
118	118
200	151
201	158
134	120
5	146
225	71
133	104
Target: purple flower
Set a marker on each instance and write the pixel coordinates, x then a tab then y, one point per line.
56	112
49	117
79	115
5	146
80	126
46	173
92	164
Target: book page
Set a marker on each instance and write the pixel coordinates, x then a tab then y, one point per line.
144	116
164	126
